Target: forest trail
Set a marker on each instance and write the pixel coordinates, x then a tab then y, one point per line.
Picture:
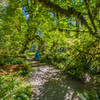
50	84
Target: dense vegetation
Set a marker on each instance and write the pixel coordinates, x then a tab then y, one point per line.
66	32
12	88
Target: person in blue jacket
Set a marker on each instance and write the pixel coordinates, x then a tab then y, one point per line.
37	56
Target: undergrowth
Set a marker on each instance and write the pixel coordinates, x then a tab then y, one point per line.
13	88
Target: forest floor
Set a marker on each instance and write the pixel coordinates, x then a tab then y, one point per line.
42	75
49	84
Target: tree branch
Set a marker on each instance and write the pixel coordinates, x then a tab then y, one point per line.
90	15
62	29
68	13
96	9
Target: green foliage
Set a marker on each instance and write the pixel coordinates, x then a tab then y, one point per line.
74	26
27	70
9	60
12	88
89	94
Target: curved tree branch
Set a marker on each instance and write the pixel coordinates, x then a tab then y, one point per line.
90	15
68	13
96	9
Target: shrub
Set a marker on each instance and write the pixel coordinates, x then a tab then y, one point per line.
5	60
90	94
12	88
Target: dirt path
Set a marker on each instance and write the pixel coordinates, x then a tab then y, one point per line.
48	86
42	75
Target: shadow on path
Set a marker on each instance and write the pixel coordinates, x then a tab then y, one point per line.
59	87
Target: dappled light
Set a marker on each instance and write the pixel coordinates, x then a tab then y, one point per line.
49	49
55	85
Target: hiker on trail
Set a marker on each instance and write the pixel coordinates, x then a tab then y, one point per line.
37	56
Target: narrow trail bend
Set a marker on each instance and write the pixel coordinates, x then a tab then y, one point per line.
50	84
